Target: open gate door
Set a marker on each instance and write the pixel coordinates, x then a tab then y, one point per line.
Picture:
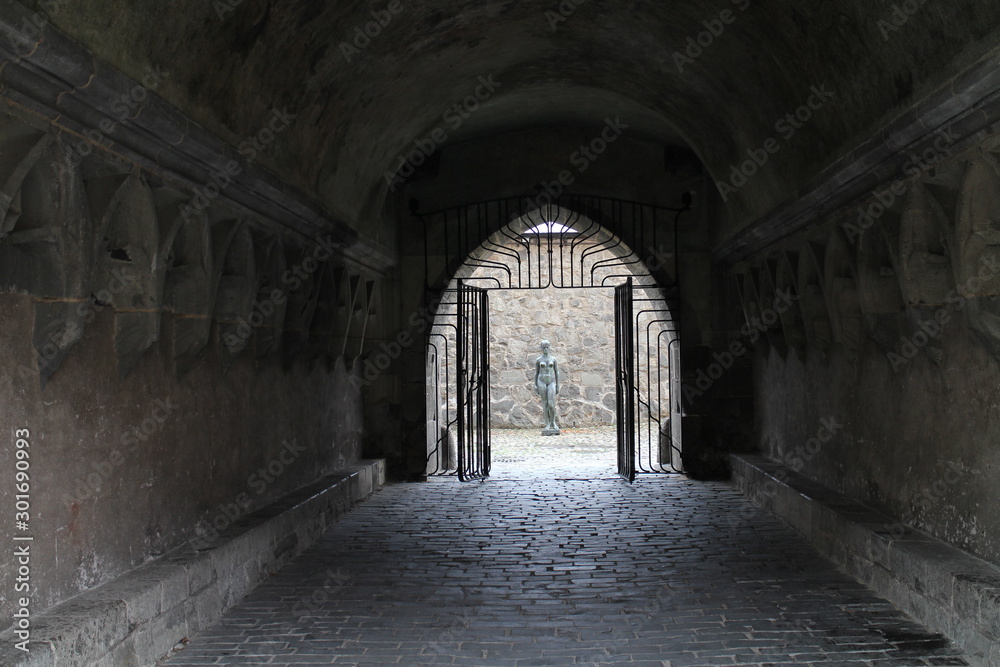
625	380
646	383
472	366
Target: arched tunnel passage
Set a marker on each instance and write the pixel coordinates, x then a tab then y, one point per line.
555	249
875	218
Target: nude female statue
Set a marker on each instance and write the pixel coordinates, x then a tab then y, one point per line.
547	386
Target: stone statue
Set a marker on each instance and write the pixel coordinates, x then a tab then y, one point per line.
547	386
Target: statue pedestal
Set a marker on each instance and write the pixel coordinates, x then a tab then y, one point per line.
550	431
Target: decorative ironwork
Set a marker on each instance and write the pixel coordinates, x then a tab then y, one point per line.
566	244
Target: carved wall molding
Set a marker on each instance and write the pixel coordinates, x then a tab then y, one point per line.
958	116
82	232
58	83
916	255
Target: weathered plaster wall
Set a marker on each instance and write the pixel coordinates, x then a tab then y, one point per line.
209	447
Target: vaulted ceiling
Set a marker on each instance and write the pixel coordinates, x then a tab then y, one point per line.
360	105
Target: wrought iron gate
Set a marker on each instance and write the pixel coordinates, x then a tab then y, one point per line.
562	245
625	380
647	383
472	367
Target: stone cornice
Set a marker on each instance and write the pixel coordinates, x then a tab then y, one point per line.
965	108
46	74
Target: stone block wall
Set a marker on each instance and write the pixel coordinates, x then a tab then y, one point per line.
580	325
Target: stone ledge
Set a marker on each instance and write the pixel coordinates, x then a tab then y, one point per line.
138	617
943	587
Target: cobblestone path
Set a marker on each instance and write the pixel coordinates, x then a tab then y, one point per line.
555	561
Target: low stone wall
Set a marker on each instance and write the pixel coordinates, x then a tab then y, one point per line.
943	587
580	325
139	617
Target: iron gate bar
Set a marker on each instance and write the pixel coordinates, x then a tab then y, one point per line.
472	373
676	408
442	446
658	466
664	307
624	381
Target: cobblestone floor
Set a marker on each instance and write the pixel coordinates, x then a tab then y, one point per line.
555	561
584	453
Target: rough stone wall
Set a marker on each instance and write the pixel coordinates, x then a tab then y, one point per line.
878	347
174	358
580	325
125	470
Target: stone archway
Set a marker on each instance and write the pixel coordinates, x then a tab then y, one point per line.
563	264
